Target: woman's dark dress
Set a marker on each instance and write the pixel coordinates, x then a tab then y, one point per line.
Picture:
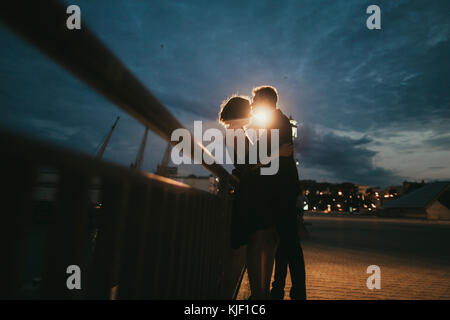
250	211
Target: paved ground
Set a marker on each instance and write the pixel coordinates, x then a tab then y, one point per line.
414	257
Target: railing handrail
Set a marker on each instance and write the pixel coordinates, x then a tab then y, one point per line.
85	56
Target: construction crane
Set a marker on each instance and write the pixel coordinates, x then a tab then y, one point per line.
140	156
163	169
102	149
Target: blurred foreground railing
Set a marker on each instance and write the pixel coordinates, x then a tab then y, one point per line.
151	238
155	237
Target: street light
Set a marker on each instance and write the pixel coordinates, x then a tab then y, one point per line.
294	127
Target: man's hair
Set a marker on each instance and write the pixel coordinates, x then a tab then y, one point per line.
234	108
266	92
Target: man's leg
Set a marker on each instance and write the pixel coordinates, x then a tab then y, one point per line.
271	242
292	250
281	263
298	273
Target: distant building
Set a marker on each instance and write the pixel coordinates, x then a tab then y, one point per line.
432	202
362	189
394	190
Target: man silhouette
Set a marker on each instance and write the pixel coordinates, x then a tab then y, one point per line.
282	189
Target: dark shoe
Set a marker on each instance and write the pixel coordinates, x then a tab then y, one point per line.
296	296
277	294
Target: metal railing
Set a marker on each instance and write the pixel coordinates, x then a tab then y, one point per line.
152	238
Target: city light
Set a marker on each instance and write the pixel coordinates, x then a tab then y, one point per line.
346	199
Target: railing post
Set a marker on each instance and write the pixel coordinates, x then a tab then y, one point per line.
164	254
132	258
16	201
177	242
158	199
107	255
188	246
68	238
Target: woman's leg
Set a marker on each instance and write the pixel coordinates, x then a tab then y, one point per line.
260	258
254	264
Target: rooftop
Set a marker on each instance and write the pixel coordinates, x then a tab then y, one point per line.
420	198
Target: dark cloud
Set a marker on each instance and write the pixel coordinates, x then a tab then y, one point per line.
440	142
344	158
436	168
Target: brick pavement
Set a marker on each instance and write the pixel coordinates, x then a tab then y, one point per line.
336	269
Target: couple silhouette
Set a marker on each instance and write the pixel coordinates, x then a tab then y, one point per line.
264	217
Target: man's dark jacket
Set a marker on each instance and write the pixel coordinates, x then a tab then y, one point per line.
286	179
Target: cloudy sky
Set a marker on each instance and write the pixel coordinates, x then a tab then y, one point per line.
374	105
